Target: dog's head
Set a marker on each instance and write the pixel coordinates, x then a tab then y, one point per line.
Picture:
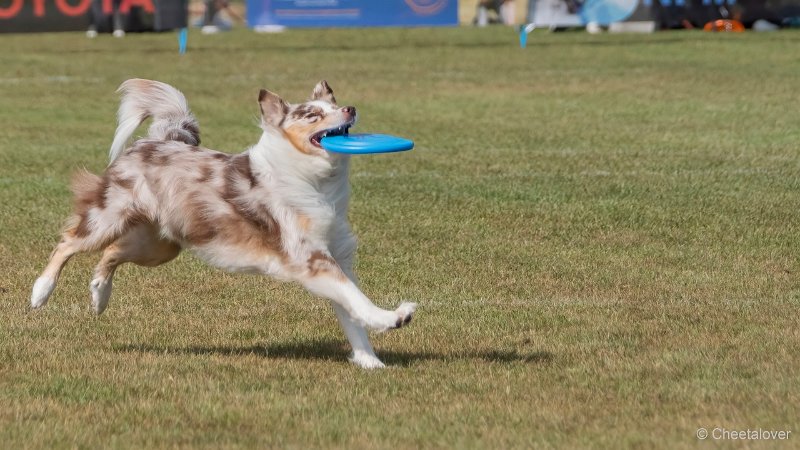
305	124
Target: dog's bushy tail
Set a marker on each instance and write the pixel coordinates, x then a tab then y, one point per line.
141	99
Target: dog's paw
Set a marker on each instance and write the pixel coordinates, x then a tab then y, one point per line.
366	360
101	292
41	291
386	320
405	312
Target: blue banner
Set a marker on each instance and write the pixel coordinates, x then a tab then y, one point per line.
352	13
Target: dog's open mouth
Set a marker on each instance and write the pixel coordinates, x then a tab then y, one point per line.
339	131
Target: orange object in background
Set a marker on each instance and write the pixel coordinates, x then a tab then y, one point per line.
733	26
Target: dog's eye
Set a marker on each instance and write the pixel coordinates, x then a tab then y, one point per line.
308	113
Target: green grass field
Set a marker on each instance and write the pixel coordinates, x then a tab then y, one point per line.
602	233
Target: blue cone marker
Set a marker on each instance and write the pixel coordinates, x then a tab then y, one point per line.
183	35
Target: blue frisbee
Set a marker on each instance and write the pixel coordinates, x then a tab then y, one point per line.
360	144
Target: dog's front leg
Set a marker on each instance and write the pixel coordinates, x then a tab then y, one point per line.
324	278
363	355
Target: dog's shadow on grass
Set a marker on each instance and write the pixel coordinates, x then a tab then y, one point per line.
337	351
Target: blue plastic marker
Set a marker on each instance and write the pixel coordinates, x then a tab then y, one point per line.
360	144
183	35
524	30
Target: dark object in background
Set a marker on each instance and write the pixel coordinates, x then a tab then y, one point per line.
102	22
167	15
171	15
670	14
50	15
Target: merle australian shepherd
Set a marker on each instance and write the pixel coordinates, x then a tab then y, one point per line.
279	208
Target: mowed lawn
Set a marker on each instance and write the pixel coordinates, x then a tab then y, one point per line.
602	234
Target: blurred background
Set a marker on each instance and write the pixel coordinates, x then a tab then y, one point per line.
123	16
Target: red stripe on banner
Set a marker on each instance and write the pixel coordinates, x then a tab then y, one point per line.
426	8
12	10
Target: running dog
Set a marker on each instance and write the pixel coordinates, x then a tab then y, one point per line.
279	208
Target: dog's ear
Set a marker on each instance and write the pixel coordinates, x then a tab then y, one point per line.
273	108
322	91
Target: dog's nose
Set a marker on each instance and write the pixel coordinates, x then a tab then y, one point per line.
349	110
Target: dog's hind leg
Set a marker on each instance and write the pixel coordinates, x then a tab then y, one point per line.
141	245
101	284
97	222
44	285
70	245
